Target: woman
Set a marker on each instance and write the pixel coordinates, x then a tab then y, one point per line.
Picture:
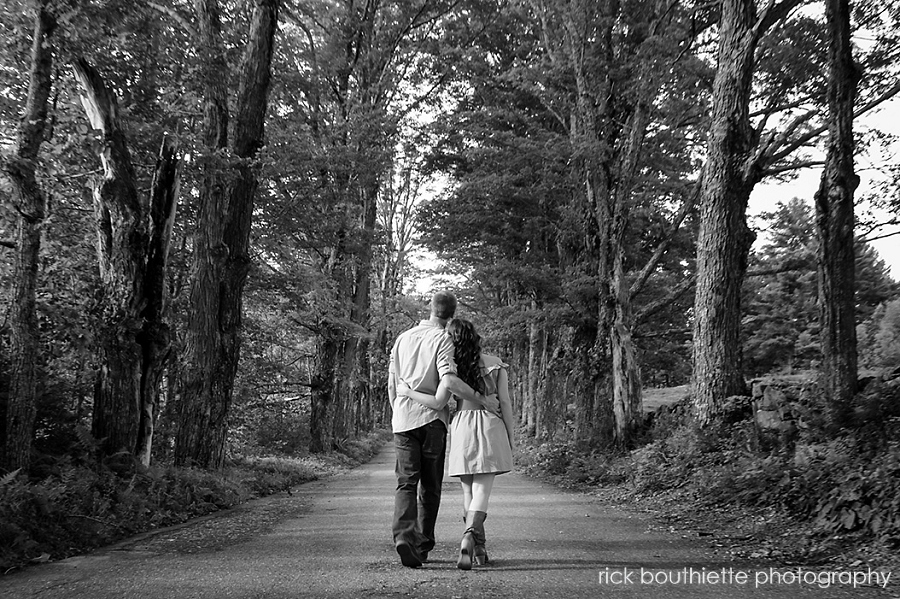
481	442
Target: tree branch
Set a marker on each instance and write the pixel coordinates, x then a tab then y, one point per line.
98	101
663	246
265	403
761	158
654	307
179	18
663	333
773	13
885	236
890	93
789	267
793	166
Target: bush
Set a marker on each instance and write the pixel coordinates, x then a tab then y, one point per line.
667	463
879	337
834	481
270	475
835	485
80	504
552	459
866	497
82	508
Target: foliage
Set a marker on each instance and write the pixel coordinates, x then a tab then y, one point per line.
833	484
879	337
666	463
81	504
81	507
569	467
780	324
832	481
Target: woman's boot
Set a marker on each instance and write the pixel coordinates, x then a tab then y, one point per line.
466	550
481	556
474	521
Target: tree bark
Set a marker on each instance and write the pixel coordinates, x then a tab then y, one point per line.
529	403
122	239
609	129
592	140
355	348
724	238
132	249
30	204
156	336
626	373
627	398
321	417
835	221
732	169
221	246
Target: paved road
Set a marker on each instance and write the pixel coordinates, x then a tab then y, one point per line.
331	539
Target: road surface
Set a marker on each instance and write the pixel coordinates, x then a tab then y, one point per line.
331	539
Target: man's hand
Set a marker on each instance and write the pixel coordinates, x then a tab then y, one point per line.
402	388
491	403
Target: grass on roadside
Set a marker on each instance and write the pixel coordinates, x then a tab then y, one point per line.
81	504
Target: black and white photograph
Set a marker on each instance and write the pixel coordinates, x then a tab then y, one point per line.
449	299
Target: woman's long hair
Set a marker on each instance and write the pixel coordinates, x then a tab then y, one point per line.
467	346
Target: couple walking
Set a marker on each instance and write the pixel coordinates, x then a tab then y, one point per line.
430	364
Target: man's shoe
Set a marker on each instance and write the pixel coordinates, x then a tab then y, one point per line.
409	555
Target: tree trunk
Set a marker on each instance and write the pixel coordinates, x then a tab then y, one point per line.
123	234
156	336
30	204
835	221
530	402
332	367
609	129
627	400
724	239
542	400
132	249
205	370
626	374
321	416
357	345
221	247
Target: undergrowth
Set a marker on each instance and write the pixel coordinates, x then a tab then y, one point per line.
78	503
833	482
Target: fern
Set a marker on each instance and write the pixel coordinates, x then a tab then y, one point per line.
86	440
8	478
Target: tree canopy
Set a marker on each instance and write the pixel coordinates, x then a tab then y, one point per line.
581	167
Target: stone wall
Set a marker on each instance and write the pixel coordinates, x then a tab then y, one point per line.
772	400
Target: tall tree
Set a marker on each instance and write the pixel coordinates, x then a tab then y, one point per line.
835	221
732	169
362	57
133	233
221	244
781	323
552	168
30	203
620	57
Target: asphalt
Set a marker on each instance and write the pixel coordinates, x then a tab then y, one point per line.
331	539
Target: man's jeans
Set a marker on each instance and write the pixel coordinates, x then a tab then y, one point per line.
420	470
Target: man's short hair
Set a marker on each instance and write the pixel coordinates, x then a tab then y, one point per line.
443	305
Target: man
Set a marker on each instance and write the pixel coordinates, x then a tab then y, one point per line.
420	357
